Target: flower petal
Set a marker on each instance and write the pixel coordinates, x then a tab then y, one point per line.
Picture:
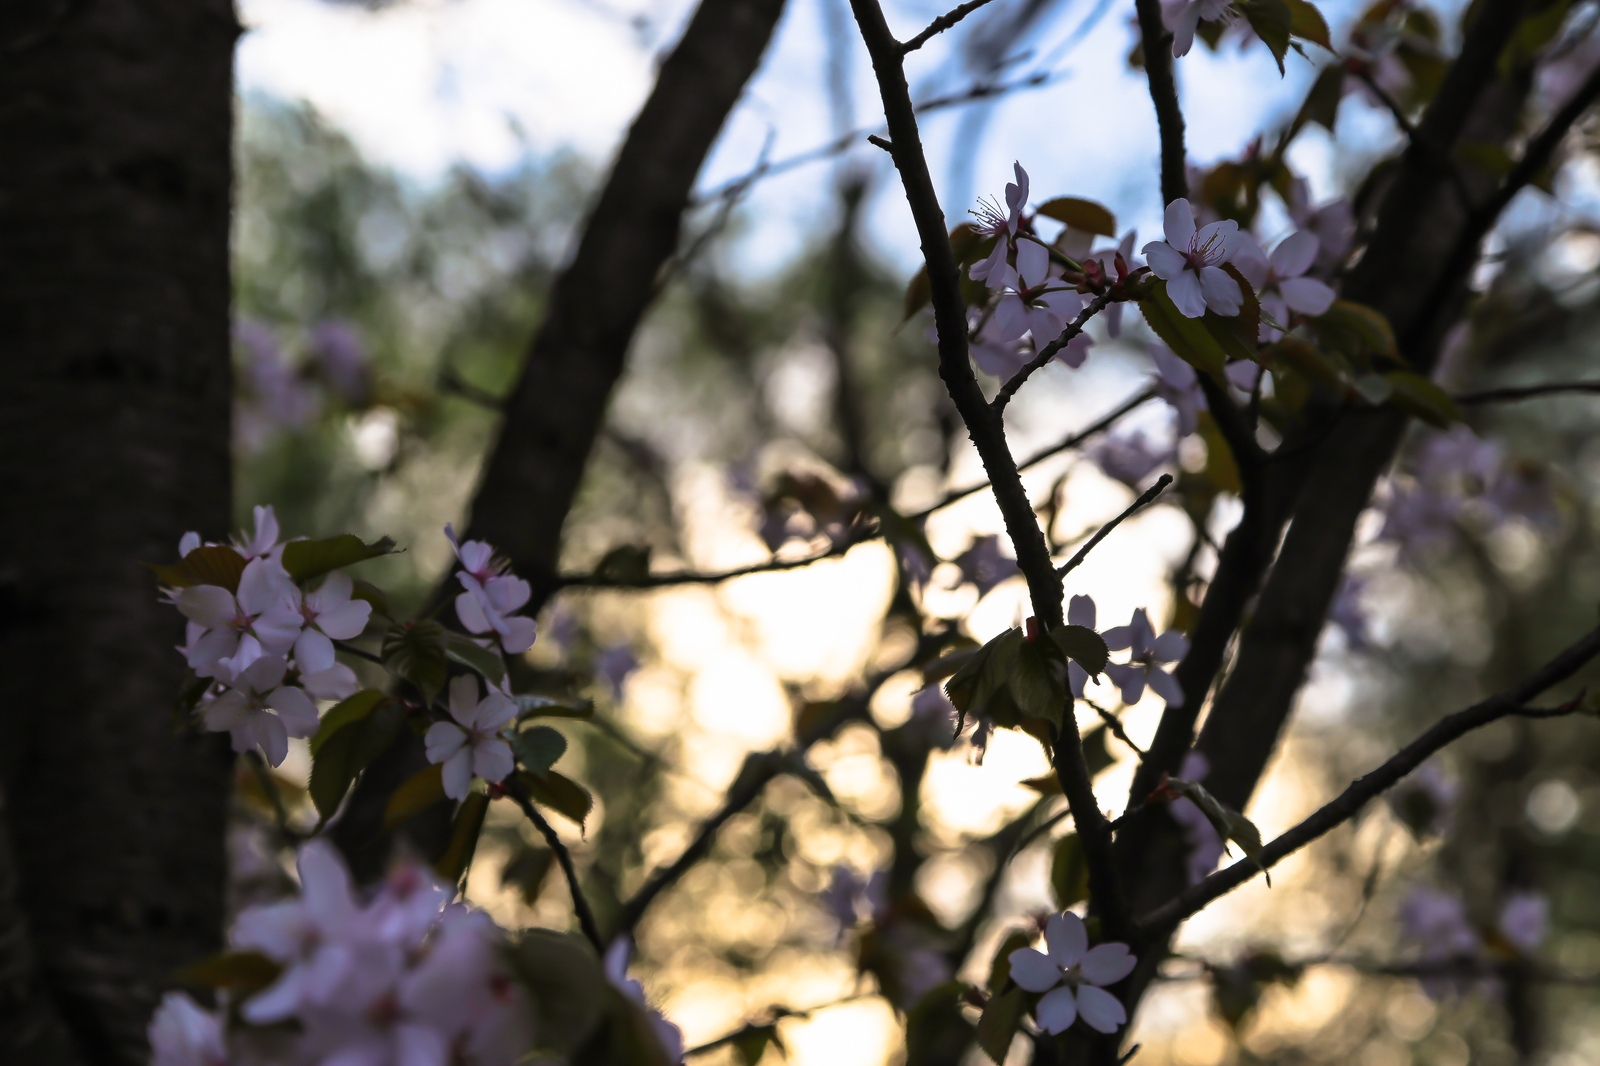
1185	293
313	651
1100	1009
1165	260
517	633
1129	681
1222	294
1107	964
491	760
1166	686
210	605
457	774
1172	645
469	610
299	714
1295	253
325	887
1057	1011
1066	939
271	736
265	585
1080	612
1307	295
337	682
464	699
346	621
1033	263
1033	971
1178	224
442	740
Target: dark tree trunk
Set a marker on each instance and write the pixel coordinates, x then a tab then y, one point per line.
116	137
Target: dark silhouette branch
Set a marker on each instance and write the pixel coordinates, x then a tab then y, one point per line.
1373	784
1157	45
580	902
940	24
1145	499
1048	352
1527	392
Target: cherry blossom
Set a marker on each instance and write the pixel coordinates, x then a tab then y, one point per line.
240	627
1524	920
1147	652
1071	974
491	596
1190	262
985	565
995	269
329	614
1128	457
475	742
616	967
182	1033
1333	224
849	898
1437	921
1108	260
463	990
308	935
1279	279
262	543
260	711
1038	303
1186	18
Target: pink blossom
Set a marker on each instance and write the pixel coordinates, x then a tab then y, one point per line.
1179	384
1186	18
260	711
263	541
1038	303
329	614
491	597
240	627
1190	262
475	742
1147	652
1524	920
1279	279
1333	224
182	1033
1071	974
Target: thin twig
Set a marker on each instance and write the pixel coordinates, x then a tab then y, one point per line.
1048	352
940	24
1145	498
839	547
777	1014
1369	786
1114	724
580	902
987	429
1526	392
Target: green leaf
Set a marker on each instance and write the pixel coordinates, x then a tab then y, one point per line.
1000	965
625	562
1355	330
237	971
416	794
416	652
558	792
1069	872
306	559
1531	35
1189	338
1002	1017
918	294
1491	157
1271	19
751	1044
1080	214
1322	102
1083	646
1307	23
538	748
565	984
1419	396
457	858
531	706
1229	823
366	590
209	564
527	870
1033	683
462	649
343	713
347	750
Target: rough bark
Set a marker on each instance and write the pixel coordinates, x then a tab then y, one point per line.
556	409
116	131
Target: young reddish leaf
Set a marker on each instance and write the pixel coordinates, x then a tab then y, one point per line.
210	564
416	794
343	713
1080	214
306	559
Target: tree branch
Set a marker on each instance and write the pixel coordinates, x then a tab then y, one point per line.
1048	352
1146	498
987	431
1373	784
940	24
1526	392
580	902
1157	44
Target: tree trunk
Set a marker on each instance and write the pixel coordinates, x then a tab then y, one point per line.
116	132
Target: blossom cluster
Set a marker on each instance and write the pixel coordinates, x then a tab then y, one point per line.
267	646
1147	653
405	976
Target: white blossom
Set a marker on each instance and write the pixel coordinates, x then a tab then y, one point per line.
1188	18
491	597
1148	651
240	627
1279	279
182	1033
328	614
1071	974
1190	262
260	711
475	742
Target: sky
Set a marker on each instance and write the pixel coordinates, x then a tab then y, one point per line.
423	85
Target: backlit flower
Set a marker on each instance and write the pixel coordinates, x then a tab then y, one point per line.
1190	262
475	742
1071	974
1148	651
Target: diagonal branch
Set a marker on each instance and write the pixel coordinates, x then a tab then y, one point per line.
940	24
1157	43
987	431
580	902
1048	352
1145	498
1373	784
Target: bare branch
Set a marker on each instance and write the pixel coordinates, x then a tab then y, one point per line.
1048	352
1527	392
1146	498
580	902
1114	724
1373	784
940	24
1157	43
